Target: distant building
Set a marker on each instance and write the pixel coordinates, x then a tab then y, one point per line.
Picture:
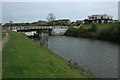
78	22
67	21
86	21
74	23
99	19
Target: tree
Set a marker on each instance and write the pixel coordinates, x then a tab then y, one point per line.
51	17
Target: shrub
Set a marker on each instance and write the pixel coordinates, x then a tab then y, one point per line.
110	33
93	27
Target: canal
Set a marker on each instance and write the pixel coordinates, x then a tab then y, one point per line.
98	57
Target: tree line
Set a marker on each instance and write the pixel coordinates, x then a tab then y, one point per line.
51	21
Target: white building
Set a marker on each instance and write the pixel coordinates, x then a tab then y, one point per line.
104	18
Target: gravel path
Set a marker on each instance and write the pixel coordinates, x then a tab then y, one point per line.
2	44
4	41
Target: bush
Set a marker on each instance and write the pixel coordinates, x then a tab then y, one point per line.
72	32
110	33
93	27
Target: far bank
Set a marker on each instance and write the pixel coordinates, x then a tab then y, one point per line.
107	32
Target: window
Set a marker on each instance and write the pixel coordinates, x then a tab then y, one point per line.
95	17
101	17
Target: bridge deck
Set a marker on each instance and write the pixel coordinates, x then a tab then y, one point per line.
37	27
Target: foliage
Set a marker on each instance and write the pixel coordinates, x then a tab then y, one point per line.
72	32
62	23
17	24
93	27
109	31
51	23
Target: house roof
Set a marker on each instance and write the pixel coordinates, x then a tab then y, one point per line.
100	15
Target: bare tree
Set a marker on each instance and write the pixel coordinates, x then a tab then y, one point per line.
51	17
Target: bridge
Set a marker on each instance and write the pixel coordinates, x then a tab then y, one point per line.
30	30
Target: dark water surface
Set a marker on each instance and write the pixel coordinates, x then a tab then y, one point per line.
99	57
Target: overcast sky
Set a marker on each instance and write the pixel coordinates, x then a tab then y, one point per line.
29	11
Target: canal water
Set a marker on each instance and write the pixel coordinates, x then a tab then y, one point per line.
98	57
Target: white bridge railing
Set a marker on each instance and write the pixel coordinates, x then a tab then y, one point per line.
37	27
56	30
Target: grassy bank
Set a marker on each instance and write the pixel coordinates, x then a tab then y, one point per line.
1	56
23	58
109	32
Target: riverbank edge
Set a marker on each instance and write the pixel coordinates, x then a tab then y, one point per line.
104	32
86	74
72	65
94	38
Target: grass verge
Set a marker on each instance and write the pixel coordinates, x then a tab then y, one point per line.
23	58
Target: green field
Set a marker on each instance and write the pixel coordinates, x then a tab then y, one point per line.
23	58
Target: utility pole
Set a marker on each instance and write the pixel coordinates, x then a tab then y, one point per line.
10	22
119	11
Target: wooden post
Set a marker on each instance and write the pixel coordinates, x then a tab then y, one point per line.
34	36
